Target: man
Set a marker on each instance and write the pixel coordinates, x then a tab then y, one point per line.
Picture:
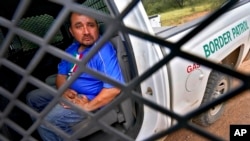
87	92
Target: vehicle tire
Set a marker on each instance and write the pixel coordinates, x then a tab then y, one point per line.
218	84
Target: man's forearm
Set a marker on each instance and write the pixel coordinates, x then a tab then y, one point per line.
104	97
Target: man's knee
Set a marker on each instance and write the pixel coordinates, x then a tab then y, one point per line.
33	94
30	97
37	95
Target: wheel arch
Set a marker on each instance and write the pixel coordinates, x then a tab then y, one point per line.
233	59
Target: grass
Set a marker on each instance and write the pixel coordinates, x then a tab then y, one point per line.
180	16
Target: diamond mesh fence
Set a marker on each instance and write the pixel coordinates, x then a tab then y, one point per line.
38	41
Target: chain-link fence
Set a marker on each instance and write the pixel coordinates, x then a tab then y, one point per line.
40	35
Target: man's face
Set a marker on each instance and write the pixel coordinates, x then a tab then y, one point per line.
84	29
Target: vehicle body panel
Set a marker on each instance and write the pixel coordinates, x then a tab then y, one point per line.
182	85
225	27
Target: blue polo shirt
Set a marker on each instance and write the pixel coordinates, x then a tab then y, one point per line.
104	61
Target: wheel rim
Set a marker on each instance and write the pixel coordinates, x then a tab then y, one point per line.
220	89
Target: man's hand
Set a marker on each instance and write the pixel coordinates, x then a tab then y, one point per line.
70	94
80	100
75	98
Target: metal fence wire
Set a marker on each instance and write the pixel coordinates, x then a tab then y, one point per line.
23	73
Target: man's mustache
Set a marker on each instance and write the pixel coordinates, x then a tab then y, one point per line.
87	36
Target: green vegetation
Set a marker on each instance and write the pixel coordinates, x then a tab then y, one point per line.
179	16
174	12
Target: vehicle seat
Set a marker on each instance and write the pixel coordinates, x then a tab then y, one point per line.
109	118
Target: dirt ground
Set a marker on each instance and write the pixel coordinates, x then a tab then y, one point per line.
236	111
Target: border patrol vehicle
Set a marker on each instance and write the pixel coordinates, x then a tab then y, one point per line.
171	73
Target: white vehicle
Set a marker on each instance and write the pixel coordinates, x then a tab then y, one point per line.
181	85
164	68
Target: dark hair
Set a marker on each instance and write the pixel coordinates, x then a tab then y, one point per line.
69	18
